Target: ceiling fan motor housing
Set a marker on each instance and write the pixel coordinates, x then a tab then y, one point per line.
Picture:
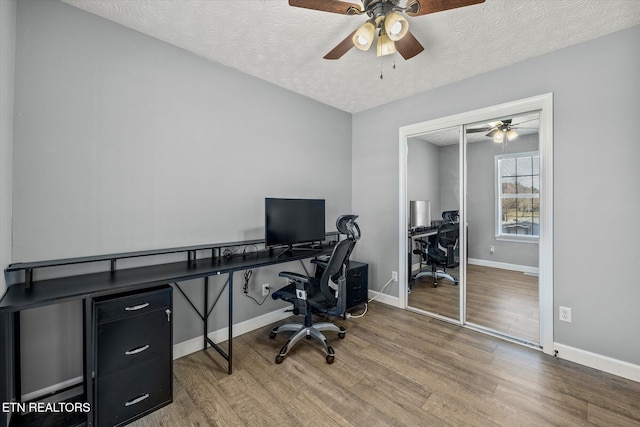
378	8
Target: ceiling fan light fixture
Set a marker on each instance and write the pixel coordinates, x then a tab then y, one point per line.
511	134
364	35
395	26
498	136
386	46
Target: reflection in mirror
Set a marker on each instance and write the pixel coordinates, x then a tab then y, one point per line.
503	219
433	187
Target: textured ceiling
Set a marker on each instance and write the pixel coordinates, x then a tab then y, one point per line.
284	45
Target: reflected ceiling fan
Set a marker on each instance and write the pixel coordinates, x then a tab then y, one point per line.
501	130
386	21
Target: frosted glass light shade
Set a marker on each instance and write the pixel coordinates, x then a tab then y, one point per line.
386	46
396	26
363	38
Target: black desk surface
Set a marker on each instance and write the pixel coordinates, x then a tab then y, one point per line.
53	291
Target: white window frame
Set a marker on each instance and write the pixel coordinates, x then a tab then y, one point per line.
498	200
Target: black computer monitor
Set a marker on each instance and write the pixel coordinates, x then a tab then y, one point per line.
292	221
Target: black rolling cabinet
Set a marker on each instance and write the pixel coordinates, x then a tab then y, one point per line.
134	352
357	284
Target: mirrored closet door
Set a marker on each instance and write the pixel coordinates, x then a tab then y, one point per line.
433	192
477	220
503	222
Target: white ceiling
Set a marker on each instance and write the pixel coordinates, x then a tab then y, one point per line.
284	45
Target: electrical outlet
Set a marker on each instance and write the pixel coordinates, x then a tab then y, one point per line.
492	249
265	289
394	276
565	314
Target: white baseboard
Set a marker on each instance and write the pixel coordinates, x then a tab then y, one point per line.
384	298
504	266
598	361
196	344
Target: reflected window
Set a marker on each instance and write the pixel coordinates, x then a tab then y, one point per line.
518	191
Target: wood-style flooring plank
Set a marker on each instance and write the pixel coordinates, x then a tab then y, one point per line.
501	300
394	368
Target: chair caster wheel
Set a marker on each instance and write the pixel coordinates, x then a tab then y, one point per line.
330	358
341	335
279	359
272	335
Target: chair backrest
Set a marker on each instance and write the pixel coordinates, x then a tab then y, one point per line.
451	216
335	267
448	235
449	238
337	264
346	224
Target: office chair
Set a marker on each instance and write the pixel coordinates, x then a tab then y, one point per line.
325	294
440	250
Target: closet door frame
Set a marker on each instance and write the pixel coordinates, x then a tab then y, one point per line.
543	104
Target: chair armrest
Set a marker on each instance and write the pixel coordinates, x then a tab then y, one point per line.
296	277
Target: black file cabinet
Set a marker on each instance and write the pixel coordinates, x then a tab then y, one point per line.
134	352
357	284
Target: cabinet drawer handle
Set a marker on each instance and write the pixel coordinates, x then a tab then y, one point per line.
136	350
137	399
137	307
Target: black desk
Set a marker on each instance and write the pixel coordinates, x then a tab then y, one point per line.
86	287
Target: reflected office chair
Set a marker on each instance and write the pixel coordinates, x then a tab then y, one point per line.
325	294
441	251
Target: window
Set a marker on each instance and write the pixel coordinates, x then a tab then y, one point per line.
518	201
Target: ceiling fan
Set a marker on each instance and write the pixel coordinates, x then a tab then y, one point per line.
386	20
501	129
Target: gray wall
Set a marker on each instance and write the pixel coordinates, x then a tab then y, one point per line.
123	142
7	67
481	204
595	174
423	174
423	178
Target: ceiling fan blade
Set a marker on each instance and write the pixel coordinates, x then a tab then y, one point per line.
342	48
409	46
425	7
333	6
525	121
478	130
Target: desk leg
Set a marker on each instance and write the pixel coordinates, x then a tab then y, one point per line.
206	311
88	357
230	338
9	340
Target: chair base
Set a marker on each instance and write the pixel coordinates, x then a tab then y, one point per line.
301	331
440	274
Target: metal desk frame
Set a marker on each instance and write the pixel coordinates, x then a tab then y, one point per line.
32	293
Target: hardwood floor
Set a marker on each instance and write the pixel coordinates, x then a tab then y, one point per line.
394	368
502	300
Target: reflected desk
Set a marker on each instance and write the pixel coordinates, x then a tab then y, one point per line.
86	287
